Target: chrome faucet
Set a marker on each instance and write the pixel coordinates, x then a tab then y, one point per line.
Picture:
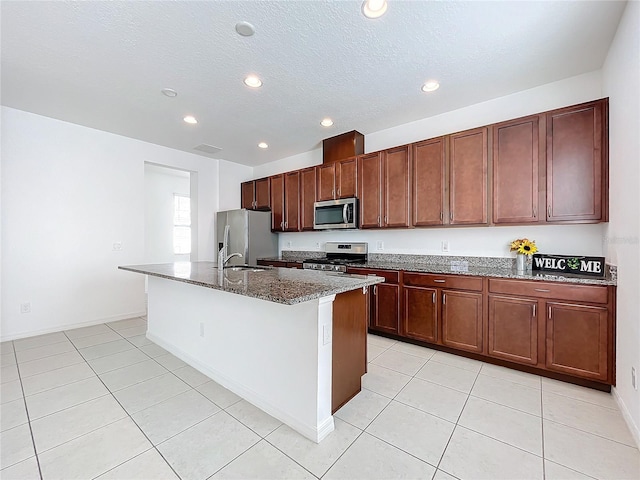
223	258
229	257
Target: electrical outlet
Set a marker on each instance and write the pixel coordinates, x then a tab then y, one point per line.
289	243
318	245
117	246
634	382
445	246
379	245
326	334
202	329
25	307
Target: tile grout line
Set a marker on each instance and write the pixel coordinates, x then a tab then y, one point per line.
26	408
131	418
544	468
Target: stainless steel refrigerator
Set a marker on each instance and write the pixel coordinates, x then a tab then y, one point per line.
249	234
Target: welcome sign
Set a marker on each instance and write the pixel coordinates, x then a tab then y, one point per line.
593	266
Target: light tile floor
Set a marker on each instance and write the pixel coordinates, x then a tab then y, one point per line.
105	402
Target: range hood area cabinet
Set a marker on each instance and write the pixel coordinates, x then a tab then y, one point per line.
547	168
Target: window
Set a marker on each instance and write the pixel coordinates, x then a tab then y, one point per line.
181	224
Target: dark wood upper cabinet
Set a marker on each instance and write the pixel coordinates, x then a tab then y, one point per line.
277	202
518	151
396	189
468	177
347	178
292	201
428	182
326	189
255	194
307	197
370	190
337	180
578	340
513	329
577	157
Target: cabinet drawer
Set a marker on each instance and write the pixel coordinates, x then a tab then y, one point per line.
459	282
583	293
390	276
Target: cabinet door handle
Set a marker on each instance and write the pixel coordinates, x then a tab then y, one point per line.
375	289
542	290
378	220
444	298
282	224
534	309
549	313
286	224
385	220
439	281
433	297
534	212
451	216
441	216
549	211
338	192
333	193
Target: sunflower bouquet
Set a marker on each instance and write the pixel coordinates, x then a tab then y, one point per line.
524	246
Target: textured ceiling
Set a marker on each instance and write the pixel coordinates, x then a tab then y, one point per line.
103	64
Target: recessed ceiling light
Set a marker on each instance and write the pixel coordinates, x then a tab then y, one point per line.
245	29
374	8
430	86
326	122
263	145
252	81
169	92
190	119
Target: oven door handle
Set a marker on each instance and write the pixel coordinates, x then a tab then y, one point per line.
344	213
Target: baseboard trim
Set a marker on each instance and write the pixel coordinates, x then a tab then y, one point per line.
72	326
312	432
633	428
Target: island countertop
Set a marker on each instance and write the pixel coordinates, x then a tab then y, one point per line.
279	285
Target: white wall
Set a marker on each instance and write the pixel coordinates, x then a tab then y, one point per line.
481	241
160	186
231	176
68	193
621	82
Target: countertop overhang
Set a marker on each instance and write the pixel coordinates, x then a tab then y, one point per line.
279	285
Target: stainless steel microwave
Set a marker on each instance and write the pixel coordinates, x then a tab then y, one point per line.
335	214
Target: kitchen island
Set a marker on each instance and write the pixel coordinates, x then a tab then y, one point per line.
291	342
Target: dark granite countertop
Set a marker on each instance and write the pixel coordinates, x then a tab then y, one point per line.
477	266
280	285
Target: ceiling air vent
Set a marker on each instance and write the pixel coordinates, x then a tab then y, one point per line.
210	149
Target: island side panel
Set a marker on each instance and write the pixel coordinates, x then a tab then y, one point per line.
270	354
349	360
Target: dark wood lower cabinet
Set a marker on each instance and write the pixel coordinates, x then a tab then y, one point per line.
420	320
462	320
385	307
349	346
513	329
578	340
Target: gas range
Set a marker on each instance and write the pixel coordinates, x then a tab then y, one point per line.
337	256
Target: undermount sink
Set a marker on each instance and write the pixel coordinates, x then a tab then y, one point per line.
245	268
